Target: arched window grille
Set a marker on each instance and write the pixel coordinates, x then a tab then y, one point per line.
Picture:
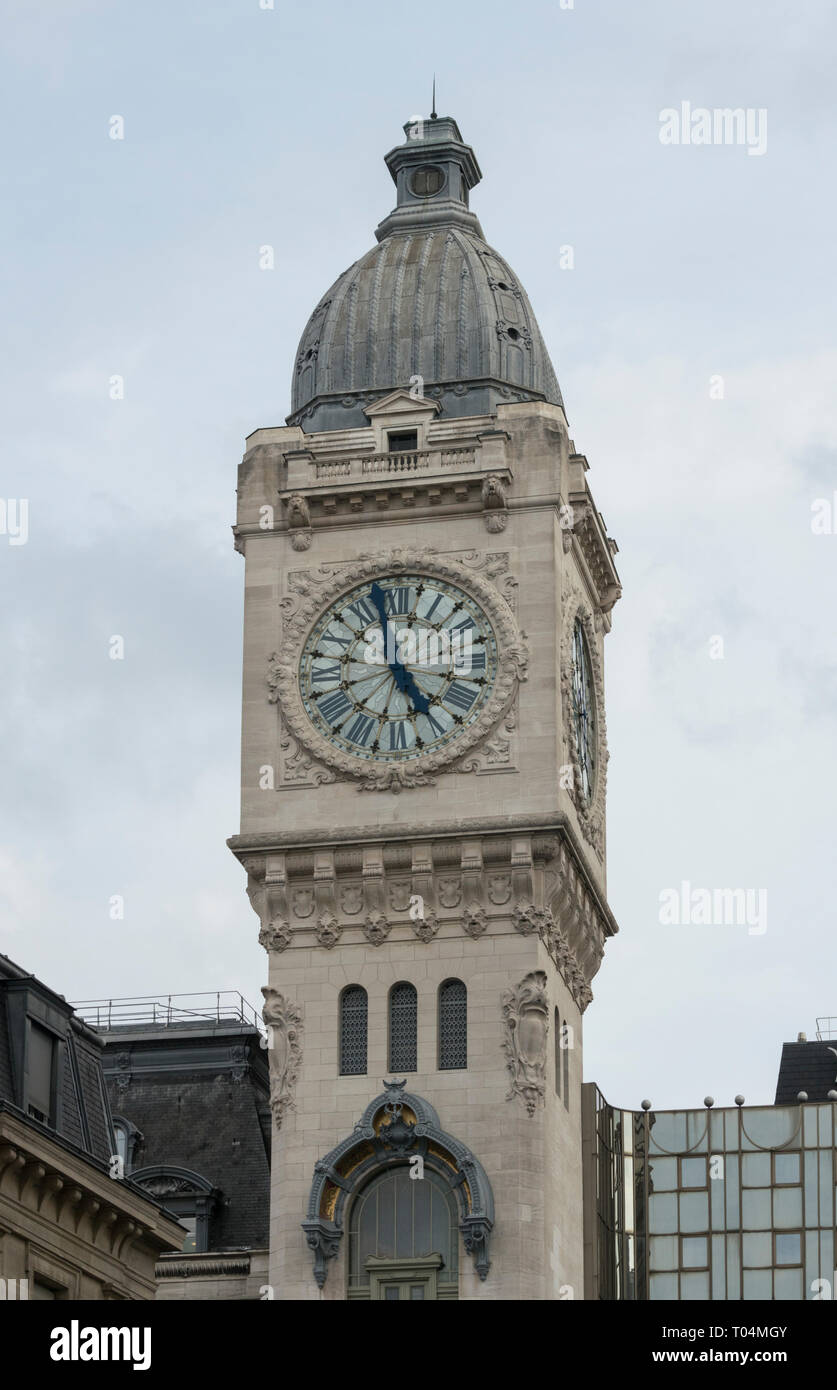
397	1221
453	1026
403	1027
353	1028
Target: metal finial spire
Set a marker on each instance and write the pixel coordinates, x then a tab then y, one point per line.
433	112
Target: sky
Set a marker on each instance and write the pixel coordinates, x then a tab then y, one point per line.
694	341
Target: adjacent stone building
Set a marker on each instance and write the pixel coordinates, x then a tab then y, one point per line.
71	1226
188	1085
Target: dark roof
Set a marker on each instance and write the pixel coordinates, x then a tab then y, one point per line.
197	1097
81	1114
809	1067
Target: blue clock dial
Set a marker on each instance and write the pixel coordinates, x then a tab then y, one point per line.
398	667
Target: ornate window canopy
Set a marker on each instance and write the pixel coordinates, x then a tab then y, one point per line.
188	1195
395	1128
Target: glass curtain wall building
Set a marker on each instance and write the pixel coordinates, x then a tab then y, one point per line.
707	1204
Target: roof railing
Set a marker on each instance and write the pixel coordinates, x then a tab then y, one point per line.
167	1010
826	1027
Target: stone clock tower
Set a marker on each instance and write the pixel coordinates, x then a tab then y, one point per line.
428	586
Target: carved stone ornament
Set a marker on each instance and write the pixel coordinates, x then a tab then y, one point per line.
591	814
495	508
321	588
328	930
299	522
526	1025
474	921
276	936
377	928
425	926
284	1023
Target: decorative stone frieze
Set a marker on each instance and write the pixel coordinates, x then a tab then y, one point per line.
284	1023
525	1028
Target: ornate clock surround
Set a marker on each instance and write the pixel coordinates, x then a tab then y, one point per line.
283	685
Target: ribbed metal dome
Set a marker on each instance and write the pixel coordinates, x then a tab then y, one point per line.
432	300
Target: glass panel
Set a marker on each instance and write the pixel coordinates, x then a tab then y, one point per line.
786	1167
416	1292
404	1216
39	1072
769	1128
663	1286
694	1211
787	1284
757	1251
788	1248
755	1209
663	1174
787	1206
453	1028
391	1293
664	1252
353	1012
719	1281
733	1267
694	1286
190	1239
693	1172
668	1132
403	1023
809	1125
826	1190
662	1214
386	1220
755	1170
758	1283
695	1252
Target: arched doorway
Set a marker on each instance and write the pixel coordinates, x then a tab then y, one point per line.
404	1239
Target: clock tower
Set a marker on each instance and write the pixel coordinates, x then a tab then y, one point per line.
428	585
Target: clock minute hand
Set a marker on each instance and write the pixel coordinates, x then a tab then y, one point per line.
403	679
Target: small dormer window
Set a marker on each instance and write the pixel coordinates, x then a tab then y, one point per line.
41	1074
402	441
426	181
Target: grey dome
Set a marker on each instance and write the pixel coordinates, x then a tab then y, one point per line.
432	299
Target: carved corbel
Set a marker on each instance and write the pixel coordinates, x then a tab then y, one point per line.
494	504
323	1237
299	521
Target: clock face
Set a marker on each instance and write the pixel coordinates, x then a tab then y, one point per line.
398	667
584	710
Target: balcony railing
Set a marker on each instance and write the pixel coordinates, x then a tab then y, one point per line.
393	465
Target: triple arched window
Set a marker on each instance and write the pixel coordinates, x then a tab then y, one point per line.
402	1028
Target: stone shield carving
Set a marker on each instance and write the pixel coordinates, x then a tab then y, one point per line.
525	1029
327	585
284	1023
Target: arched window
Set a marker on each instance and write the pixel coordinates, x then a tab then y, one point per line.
403	1027
404	1238
353	1017
453	1026
557	1053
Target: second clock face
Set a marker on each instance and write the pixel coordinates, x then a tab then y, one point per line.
398	667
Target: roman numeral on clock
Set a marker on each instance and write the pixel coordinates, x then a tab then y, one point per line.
360	730
321	674
335	706
398	600
397	730
460	696
343	642
363	611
